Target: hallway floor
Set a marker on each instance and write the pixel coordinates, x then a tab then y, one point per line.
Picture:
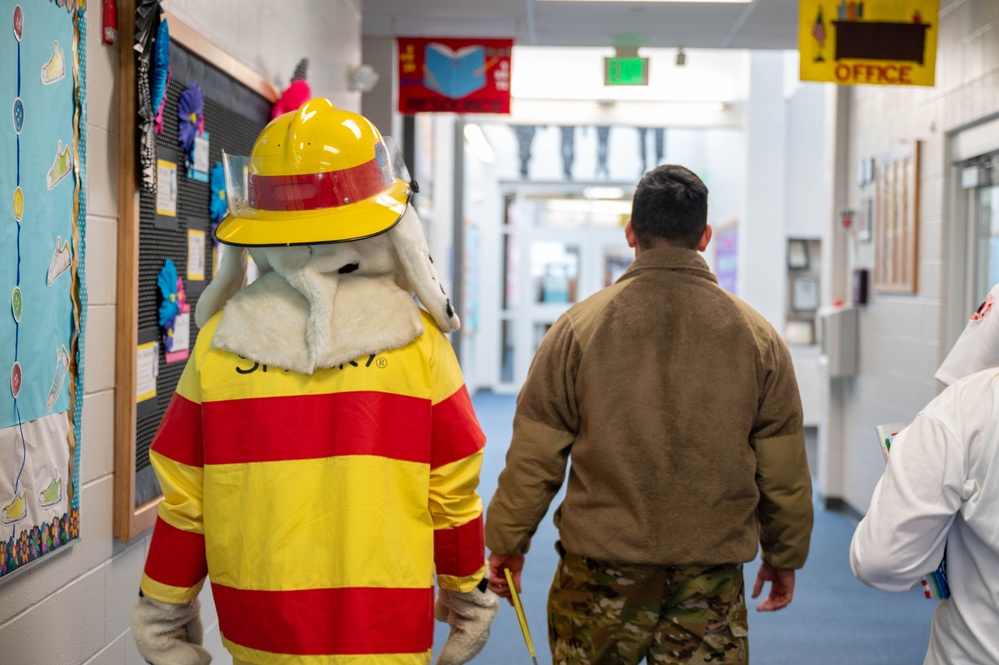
834	619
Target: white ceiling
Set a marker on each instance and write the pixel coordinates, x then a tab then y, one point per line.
763	24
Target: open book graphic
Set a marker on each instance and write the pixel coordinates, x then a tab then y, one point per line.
935	583
454	74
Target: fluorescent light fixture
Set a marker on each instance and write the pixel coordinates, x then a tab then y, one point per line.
673	105
603	192
693	2
480	144
598	207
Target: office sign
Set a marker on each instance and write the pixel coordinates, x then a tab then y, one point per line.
875	42
454	75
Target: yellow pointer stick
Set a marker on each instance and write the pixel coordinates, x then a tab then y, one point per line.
520	614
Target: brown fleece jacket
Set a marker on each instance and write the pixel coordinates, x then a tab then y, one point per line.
679	407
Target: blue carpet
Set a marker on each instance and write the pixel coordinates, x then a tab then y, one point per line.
833	619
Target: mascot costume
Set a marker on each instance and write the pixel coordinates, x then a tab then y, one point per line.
320	458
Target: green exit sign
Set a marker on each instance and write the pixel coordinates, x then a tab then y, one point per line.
626	71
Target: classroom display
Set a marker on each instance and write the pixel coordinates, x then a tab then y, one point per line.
42	219
203	112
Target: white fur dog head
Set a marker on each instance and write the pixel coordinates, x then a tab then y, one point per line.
353	298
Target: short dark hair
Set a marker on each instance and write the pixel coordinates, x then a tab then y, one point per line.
671	205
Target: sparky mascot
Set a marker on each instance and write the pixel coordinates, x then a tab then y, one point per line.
320	458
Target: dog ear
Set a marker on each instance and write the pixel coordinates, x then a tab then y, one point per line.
230	278
417	266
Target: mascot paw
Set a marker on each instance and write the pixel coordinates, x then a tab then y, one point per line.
168	633
469	615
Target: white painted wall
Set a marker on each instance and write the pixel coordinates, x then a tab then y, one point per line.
762	239
75	608
902	338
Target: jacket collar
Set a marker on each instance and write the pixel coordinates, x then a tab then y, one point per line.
670	258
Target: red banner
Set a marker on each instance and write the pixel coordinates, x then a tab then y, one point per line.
454	75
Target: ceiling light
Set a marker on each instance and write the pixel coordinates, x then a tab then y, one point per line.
728	2
480	144
603	192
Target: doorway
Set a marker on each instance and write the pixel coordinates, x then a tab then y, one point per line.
560	244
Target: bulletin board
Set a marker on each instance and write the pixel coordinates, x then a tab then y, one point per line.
42	223
173	222
896	222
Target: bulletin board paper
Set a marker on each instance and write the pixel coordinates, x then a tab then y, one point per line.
195	255
147	369
166	188
42	220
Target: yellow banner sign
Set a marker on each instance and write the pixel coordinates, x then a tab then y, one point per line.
878	42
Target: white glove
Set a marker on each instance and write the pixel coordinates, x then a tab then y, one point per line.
168	633
469	615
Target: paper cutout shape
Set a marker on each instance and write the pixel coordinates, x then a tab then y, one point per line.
15	511
454	74
147	359
61	261
61	167
15	379
62	368
191	115
18	204
16	303
52	494
18	22
218	207
197	161
160	73
174	313
166	188
195	255
178	340
17	113
54	70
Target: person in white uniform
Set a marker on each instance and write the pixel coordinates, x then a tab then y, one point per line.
940	492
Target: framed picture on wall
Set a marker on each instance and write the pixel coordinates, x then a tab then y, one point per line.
805	293
797	254
896	220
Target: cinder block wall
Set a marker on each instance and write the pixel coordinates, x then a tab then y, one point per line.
74	609
902	338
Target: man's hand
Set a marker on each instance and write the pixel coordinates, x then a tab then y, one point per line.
497	578
781	587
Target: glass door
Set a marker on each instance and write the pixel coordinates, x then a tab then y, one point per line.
986	240
560	247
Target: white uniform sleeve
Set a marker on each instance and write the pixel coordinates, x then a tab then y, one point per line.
902	538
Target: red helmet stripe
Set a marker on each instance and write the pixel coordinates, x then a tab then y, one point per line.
316	191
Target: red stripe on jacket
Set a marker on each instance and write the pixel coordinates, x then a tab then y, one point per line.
176	558
349	621
297	427
456	430
459	551
179	435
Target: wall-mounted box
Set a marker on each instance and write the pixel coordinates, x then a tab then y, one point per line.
838	332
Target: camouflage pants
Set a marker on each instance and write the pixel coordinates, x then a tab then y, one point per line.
614	614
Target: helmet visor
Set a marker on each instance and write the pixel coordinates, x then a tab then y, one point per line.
252	187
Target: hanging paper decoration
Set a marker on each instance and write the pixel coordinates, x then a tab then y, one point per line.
147	21
191	112
297	93
218	206
160	73
174	314
525	136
